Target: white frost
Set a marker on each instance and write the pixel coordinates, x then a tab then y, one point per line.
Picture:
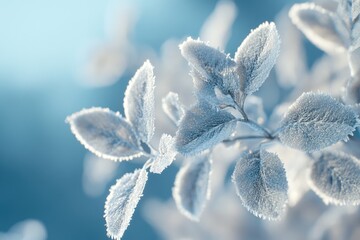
122	201
261	184
105	133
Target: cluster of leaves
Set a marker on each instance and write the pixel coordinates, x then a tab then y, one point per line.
223	86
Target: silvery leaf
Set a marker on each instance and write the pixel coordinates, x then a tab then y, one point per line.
139	102
202	127
213	65
260	182
105	133
209	92
315	121
256	57
122	201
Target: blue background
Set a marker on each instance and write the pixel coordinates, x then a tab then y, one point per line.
41	48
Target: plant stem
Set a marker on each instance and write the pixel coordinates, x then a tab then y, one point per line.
249	137
256	126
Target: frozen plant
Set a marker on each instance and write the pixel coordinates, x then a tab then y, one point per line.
225	112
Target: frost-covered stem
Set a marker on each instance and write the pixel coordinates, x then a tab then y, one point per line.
249	137
266	133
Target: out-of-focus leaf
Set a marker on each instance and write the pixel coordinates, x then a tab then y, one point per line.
139	102
261	184
202	127
335	177
256	57
322	27
166	154
192	188
122	201
315	121
173	107
105	133
291	67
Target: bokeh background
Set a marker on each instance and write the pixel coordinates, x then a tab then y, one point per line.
48	71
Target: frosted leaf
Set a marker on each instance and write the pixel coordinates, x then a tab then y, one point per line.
105	133
166	154
213	65
335	177
209	92
322	27
261	184
256	56
192	186
139	102
202	127
173	107
122	201
315	121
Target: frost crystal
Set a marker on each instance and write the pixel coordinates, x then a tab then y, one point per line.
122	201
139	102
166	154
202	127
322	27
335	177
315	121
256	56
192	188
105	133
261	184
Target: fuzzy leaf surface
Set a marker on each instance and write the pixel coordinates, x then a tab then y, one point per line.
166	154
260	182
212	65
202	127
105	133
122	201
315	121
139	102
256	57
209	92
335	177
192	188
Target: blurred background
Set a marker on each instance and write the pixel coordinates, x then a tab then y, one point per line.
58	57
